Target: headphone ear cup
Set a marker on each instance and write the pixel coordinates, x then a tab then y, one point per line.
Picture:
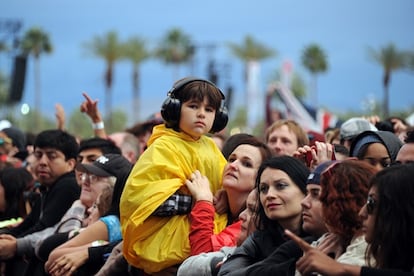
221	119
170	111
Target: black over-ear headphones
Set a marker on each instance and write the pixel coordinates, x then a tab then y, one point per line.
171	108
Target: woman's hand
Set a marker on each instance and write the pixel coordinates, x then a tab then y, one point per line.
332	245
315	261
199	186
69	263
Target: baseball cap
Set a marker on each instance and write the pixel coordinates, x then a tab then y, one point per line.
354	126
4	124
107	165
315	176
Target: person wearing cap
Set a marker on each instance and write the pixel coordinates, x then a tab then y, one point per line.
74	253
385	214
73	219
281	186
351	128
12	146
379	148
55	153
338	189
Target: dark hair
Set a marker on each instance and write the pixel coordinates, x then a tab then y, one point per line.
198	90
245	139
344	192
294	168
393	237
388	124
60	140
119	188
15	182
341	149
410	135
105	145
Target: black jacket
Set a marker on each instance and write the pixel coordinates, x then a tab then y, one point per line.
257	247
50	207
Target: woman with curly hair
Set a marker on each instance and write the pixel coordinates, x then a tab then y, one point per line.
344	188
388	220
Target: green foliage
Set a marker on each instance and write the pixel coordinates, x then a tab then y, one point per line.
175	47
298	86
35	42
35	122
81	125
314	59
3	89
251	50
391	59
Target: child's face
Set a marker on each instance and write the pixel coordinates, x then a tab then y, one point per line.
196	118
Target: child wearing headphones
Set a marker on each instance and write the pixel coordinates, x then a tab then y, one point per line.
155	228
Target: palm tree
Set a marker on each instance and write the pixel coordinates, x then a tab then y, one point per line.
251	53
176	48
108	48
36	42
391	59
136	52
315	61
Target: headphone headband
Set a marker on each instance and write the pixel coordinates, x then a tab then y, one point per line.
183	82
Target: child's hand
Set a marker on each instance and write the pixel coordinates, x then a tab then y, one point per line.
199	186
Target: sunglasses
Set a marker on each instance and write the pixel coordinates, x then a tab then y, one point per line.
371	204
5	140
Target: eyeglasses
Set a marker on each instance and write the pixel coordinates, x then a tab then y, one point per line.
90	177
371	204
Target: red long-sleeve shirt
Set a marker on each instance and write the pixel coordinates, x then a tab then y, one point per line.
202	237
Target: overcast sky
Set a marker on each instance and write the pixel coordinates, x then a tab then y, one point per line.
344	29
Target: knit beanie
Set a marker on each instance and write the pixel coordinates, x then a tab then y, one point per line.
293	167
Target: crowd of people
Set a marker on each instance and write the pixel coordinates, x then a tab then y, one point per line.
177	195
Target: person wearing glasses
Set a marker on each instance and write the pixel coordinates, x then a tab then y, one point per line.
388	218
343	190
379	148
85	247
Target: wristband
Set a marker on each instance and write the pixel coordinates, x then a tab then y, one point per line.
98	125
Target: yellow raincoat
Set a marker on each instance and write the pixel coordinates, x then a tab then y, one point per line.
155	243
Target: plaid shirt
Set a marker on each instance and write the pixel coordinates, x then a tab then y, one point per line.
177	204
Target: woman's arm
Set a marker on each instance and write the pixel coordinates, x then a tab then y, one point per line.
96	231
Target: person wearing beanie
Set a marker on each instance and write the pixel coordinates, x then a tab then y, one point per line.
281	186
379	148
